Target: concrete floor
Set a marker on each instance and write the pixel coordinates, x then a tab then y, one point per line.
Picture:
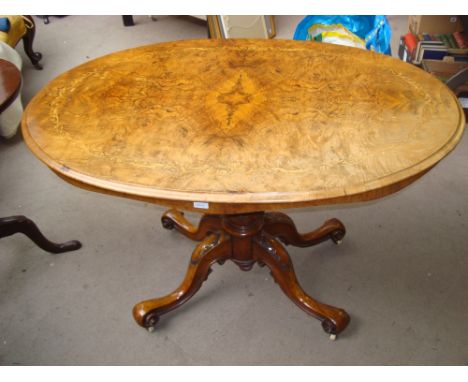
401	272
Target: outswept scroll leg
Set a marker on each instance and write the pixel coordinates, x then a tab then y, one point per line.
21	224
282	227
271	253
175	219
214	248
28	40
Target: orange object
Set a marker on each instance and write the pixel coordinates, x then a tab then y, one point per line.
411	41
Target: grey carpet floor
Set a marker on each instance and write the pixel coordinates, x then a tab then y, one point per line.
401	271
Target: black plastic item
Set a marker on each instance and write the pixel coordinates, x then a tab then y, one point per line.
46	18
128	20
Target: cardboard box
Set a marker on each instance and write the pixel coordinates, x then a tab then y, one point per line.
434	24
443	69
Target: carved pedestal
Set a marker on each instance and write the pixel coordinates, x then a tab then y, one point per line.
246	239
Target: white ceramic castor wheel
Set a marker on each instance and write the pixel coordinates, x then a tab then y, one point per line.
150	322
337	237
332	337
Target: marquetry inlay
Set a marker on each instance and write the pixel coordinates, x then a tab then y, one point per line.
244	122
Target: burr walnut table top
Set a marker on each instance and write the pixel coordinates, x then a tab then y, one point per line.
243	125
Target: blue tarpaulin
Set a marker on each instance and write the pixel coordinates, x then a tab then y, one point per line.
374	30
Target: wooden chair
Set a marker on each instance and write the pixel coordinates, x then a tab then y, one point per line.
22	28
10	78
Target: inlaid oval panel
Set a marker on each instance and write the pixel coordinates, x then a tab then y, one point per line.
243	121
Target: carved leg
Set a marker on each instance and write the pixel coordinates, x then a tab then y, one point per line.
21	224
281	226
28	40
176	219
268	251
214	248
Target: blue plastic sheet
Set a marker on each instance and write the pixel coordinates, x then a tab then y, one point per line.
4	24
374	30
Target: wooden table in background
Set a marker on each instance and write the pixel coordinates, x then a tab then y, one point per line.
10	83
236	129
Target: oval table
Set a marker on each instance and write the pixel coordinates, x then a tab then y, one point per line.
235	129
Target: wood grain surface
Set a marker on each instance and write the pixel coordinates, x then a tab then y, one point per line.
244	125
10	83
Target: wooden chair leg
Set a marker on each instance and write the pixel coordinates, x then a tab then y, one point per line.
28	40
21	224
